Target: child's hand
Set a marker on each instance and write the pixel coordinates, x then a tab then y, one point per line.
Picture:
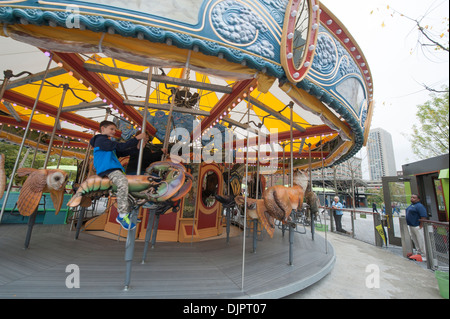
141	136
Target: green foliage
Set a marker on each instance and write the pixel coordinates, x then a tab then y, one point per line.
431	137
10	151
376	196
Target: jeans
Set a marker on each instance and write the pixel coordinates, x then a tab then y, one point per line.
338	221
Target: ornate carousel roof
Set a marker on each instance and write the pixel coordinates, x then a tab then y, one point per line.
245	66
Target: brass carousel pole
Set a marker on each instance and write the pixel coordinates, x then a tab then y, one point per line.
311	190
291	106
284	163
36	149
61	153
58	114
323	189
131	237
291	224
168	127
84	169
5	200
245	202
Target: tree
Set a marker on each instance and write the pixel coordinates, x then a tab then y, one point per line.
432	37
11	151
431	137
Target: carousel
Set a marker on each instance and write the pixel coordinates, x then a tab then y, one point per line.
240	101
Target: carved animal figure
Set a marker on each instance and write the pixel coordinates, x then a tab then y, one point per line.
2	175
41	181
164	181
313	201
280	200
261	185
256	209
277	203
235	179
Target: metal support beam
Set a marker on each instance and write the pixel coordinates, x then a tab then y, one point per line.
166	107
278	115
157	78
12	111
35	77
83	106
238	89
76	65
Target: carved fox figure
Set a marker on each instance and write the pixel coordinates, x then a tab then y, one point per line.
280	200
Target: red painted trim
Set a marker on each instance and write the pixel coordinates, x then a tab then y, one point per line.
51	110
76	65
311	40
343	36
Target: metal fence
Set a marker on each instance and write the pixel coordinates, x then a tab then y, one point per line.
370	227
436	241
362	225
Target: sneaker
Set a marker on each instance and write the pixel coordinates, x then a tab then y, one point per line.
416	257
125	222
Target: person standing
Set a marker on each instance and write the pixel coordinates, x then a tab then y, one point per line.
374	208
414	213
337	206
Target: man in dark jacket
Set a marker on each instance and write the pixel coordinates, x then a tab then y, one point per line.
414	213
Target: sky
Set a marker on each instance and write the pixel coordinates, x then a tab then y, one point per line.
399	66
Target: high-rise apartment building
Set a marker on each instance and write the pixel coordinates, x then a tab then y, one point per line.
380	152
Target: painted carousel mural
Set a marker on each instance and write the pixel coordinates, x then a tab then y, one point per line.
230	94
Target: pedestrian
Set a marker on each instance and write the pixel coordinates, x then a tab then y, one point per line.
106	163
374	208
414	213
337	206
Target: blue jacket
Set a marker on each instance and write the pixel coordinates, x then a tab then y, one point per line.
338	206
414	212
106	153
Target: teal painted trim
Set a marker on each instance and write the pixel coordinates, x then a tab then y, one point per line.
251	56
325	97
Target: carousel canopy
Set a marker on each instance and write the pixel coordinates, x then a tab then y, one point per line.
286	71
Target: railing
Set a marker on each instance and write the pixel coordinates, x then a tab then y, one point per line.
362	225
436	241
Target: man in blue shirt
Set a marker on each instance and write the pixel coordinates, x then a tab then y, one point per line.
338	214
414	213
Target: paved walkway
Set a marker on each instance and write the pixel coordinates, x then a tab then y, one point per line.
354	262
398	277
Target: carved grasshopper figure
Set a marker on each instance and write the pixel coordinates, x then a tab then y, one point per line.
164	180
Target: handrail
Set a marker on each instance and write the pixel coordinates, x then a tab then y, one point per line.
433	222
349	210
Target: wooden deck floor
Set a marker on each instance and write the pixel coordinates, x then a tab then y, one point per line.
207	269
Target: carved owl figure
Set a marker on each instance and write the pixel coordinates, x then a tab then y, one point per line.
41	181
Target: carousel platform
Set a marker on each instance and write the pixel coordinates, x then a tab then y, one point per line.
209	269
